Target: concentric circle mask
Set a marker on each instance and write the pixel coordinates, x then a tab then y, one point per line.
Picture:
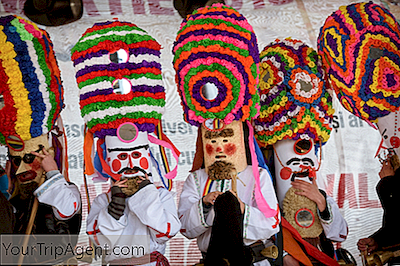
118	72
294	98
216	61
31	91
360	47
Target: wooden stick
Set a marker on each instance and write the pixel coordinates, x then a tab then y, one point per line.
31	222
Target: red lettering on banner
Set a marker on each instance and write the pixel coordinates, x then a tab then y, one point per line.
193	254
115	7
346	191
10	6
91	8
365	202
176	246
157	9
258	4
138	7
331	183
236	4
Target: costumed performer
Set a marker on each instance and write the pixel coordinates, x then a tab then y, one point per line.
32	129
360	47
295	119
228	201
122	98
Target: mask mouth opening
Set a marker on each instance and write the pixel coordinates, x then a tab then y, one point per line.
27	176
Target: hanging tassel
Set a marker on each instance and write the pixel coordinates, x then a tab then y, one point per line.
261	202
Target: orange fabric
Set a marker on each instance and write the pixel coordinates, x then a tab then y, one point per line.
291	246
310	249
87	153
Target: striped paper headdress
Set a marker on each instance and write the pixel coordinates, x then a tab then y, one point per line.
216	61
360	47
118	72
108	55
32	95
217	48
295	102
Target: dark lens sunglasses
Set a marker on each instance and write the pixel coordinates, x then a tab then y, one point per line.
28	158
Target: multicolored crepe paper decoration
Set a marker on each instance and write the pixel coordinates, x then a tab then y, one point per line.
217	45
359	45
102	109
32	95
295	102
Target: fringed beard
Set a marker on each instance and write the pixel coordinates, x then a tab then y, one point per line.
394	160
26	190
221	170
133	186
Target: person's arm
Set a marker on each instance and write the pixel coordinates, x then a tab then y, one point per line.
156	209
191	213
335	226
63	196
255	225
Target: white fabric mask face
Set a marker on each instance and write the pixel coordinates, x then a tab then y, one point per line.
289	161
129	159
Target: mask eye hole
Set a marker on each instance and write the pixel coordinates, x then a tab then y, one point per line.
122	86
136	155
29	158
119	57
302	146
122	156
16	160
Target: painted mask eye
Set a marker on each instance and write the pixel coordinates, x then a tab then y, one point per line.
122	156
302	146
136	155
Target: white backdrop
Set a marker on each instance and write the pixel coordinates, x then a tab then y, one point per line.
349	172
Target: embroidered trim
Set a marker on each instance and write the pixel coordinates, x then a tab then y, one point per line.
48	184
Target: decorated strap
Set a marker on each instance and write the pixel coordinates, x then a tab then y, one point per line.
261	202
208	186
159	133
165	142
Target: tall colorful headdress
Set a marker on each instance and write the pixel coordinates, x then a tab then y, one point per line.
216	60
216	45
118	72
295	102
360	48
32	95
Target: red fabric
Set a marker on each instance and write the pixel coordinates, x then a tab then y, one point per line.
159	258
310	249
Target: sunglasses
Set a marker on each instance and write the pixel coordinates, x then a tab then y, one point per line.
28	158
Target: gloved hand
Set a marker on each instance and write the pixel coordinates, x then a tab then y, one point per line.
117	205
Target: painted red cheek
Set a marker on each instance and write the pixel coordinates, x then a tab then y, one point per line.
286	172
116	165
144	163
395	142
230	149
36	165
209	149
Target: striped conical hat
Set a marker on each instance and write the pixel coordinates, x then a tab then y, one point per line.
103	106
30	83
